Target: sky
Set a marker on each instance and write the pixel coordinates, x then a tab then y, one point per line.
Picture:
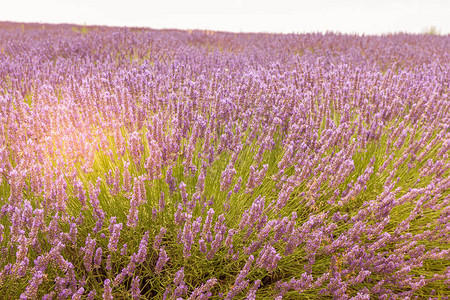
286	16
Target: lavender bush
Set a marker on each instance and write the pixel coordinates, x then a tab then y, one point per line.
169	164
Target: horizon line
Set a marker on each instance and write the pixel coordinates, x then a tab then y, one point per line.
429	30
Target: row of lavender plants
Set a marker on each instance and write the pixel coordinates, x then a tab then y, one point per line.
144	164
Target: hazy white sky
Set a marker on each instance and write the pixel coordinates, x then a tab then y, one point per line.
347	16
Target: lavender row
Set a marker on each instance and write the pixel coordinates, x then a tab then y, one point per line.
207	165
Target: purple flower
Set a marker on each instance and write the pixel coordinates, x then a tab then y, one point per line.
108	263
120	277
158	238
206	232
215	245
133	218
251	295
126	178
240	284
142	251
135	291
33	286
284	195
179	215
196	227
72	236
170	179
114	237
88	250
162	203
184	194
162	260
107	293
202	245
237	186
180	286
361	296
78	294
178	279
124	249
268	258
229	239
98	257
48	296
204	288
227	177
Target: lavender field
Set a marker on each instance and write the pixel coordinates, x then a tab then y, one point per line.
165	164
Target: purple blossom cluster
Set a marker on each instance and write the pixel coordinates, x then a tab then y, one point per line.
164	164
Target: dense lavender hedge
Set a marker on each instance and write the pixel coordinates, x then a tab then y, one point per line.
203	165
